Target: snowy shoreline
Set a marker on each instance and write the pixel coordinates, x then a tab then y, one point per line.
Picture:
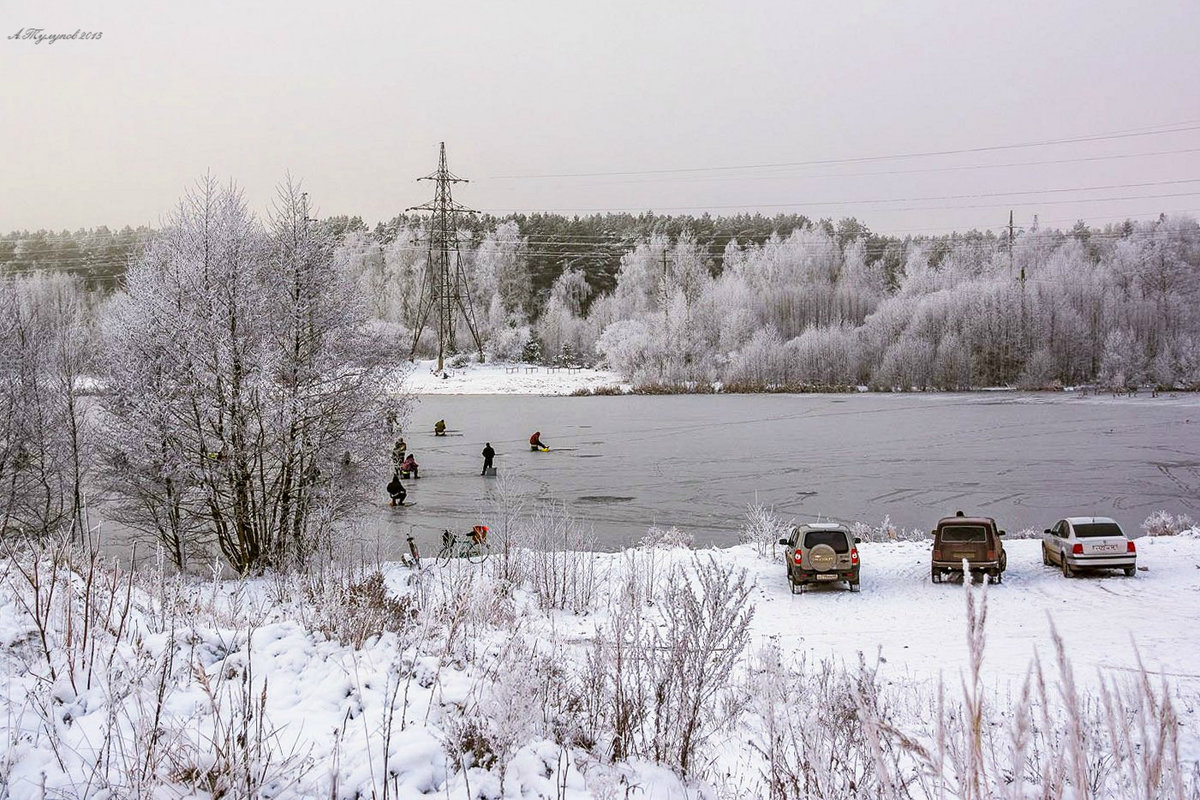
535	379
455	681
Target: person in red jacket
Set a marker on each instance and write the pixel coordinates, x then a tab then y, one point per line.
409	467
536	443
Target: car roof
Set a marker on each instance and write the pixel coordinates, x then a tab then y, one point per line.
1090	520
822	526
966	521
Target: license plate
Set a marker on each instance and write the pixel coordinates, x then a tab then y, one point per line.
827	577
1106	548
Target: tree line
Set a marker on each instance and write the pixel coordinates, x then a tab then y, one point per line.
819	305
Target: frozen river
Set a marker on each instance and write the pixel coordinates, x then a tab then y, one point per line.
622	464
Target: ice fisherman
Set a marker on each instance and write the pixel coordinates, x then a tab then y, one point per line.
536	443
439	428
488	455
409	467
396	489
398	451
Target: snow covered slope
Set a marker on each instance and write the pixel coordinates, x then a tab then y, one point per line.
496	378
191	660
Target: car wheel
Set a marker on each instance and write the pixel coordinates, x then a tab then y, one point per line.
998	576
1045	556
1130	572
935	576
796	588
1066	568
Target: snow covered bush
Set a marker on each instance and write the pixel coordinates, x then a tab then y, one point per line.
508	343
562	567
351	604
885	531
662	685
666	538
763	528
1162	523
818	748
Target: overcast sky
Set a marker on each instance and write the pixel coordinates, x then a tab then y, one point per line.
685	98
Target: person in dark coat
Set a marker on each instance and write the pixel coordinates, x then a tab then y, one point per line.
439	428
396	489
488	455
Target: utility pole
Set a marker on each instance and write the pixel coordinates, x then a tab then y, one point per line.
1011	239
662	286
443	285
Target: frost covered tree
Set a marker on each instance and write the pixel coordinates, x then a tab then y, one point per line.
499	283
561	324
45	435
247	397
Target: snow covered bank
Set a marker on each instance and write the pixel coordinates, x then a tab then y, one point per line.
503	378
551	673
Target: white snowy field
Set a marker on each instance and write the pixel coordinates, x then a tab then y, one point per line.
455	682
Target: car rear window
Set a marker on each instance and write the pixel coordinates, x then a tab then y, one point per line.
835	539
964	533
1092	529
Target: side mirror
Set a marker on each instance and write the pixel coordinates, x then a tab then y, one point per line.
1048	531
1001	533
933	533
784	542
857	540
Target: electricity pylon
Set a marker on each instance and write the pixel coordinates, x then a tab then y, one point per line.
443	285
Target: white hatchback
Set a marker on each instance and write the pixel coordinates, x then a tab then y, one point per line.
1077	543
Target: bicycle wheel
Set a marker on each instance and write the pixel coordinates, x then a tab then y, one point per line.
444	555
477	553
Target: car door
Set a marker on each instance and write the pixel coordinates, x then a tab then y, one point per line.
789	552
1054	541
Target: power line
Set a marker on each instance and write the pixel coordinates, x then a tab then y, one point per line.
1171	128
879	201
921	171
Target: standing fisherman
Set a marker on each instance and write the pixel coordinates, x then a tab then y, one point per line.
488	455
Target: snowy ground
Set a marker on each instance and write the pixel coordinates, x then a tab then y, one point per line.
326	704
499	378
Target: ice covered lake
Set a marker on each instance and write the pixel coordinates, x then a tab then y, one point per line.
621	464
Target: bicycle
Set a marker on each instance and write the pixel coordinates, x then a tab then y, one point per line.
474	548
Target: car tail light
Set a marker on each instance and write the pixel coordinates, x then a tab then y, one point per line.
937	555
854	555
798	556
991	555
1130	548
1077	550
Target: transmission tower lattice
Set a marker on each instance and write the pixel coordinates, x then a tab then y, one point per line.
443	286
